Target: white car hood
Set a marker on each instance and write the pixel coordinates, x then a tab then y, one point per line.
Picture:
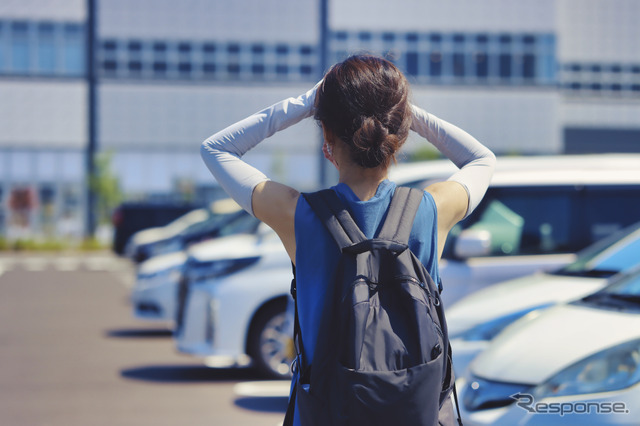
162	263
149	235
236	246
517	295
543	343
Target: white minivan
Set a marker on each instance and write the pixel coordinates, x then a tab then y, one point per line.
537	213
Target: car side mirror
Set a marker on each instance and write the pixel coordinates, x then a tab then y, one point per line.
472	243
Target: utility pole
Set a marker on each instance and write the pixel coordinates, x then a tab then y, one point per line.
322	67
90	46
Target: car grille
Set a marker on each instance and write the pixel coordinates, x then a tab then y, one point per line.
481	394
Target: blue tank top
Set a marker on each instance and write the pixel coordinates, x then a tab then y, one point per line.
317	253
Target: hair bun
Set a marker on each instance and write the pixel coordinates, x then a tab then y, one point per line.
371	142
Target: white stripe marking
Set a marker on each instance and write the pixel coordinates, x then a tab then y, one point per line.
277	388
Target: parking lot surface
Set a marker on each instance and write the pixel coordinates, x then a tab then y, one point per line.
71	354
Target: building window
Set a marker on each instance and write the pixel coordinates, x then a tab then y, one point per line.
46	57
412	63
74	49
20	47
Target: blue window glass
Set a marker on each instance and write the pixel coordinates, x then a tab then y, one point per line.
134	46
306	50
341	35
596	86
388	36
209	48
20	47
74	54
109	65
110	45
575	67
575	86
528	66
505	65
282	49
458	38
233	68
435	37
412	37
596	68
282	69
364	36
412	63
46	58
616	69
635	69
184	67
505	39
257	69
257	49
159	67
635	87
2	53
458	64
481	60
435	64
159	46
482	38
306	69
135	66
616	87
209	68
233	48
529	39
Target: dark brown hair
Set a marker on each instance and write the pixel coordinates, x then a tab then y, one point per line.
364	101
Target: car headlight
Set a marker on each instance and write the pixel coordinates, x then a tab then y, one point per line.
490	329
200	271
612	369
173	273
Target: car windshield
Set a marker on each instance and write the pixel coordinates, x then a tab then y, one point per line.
623	293
608	257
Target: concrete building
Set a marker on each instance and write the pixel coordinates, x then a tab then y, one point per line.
523	76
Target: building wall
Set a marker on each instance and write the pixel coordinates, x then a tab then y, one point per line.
527	77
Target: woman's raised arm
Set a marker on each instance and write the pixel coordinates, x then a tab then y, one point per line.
462	192
270	202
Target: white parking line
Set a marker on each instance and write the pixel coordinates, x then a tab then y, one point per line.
66	264
35	264
273	388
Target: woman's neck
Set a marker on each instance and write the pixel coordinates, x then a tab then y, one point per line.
363	182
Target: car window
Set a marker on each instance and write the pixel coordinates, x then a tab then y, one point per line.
525	221
607	209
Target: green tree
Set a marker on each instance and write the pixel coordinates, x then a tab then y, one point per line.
106	186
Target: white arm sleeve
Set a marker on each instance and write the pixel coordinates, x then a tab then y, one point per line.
475	161
222	151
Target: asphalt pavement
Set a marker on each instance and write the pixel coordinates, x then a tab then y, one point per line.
72	354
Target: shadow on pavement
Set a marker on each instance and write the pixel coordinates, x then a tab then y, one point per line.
187	374
271	404
140	333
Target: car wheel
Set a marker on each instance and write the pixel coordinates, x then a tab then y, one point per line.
270	342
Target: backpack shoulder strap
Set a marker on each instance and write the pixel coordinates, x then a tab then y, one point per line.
334	216
402	212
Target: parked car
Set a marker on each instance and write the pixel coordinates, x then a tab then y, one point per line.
235	318
565	365
154	296
533	218
197	225
475	320
131	217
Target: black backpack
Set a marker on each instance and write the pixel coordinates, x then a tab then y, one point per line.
382	355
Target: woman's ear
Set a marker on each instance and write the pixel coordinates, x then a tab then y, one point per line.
327	146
